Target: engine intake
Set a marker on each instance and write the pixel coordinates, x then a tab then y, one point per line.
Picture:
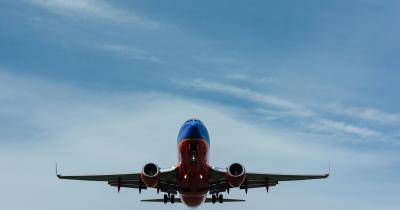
150	175
236	175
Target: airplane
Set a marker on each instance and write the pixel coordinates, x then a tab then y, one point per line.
193	177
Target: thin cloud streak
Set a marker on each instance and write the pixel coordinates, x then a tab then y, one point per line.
129	52
369	114
246	78
94	9
310	118
359	113
333	126
248	94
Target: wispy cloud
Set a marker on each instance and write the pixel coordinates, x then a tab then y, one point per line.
370	114
94	9
273	108
252	79
130	52
335	126
251	95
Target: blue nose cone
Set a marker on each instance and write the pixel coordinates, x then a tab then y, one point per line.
193	129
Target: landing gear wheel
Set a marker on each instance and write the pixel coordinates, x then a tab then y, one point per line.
172	198
165	198
220	198
213	198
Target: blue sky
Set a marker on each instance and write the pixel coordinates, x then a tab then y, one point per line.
285	86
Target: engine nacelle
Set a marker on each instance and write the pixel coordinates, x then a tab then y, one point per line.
150	175
236	175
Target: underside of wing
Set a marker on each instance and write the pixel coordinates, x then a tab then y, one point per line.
167	181
110	177
256	180
219	181
283	177
115	180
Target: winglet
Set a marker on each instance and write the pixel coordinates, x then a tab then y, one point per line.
329	170
58	175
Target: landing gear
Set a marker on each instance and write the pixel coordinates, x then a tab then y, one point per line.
220	198
168	197
213	198
165	198
216	197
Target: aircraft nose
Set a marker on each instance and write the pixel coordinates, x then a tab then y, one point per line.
193	132
193	129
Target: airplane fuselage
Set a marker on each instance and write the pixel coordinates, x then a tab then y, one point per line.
193	167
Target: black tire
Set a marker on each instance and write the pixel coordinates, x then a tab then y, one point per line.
172	198
220	198
165	198
213	198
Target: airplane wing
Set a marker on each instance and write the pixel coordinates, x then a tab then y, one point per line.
255	180
167	183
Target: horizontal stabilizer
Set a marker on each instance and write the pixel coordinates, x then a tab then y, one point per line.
208	200
178	200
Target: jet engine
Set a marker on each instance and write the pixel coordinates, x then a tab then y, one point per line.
150	175
236	175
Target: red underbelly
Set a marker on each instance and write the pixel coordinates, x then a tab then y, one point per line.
193	201
193	175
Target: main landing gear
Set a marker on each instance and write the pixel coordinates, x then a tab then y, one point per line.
169	197
216	197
